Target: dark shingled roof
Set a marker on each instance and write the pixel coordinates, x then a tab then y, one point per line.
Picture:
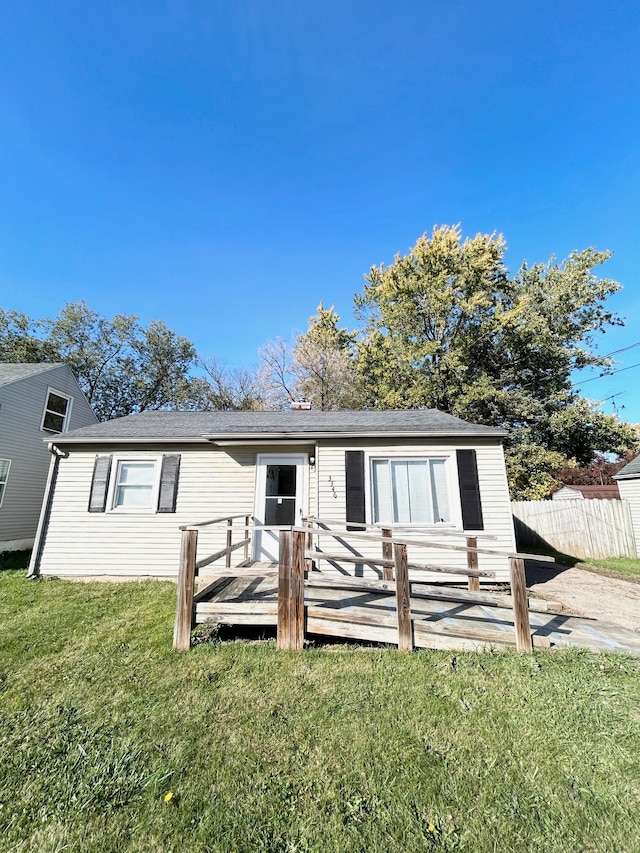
630	470
13	372
190	426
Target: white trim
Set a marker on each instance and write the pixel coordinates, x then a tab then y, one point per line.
3	490
301	461
119	460
67	414
453	487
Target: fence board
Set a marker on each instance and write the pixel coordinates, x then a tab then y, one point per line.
581	528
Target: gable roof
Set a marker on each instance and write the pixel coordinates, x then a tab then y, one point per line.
235	426
630	470
607	492
15	372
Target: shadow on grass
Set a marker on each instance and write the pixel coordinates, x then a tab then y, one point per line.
14	560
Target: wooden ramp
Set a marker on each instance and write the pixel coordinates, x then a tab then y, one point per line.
441	617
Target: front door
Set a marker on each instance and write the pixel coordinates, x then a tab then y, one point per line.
280	500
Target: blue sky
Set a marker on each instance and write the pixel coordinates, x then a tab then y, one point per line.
224	166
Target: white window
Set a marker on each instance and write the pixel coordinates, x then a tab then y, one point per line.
410	491
56	411
135	485
5	464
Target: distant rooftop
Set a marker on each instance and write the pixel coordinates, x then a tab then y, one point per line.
14	372
220	426
630	470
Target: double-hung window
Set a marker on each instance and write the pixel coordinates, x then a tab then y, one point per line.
5	464
56	411
135	485
410	491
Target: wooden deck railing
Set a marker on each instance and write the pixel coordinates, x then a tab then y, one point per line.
190	566
295	555
298	556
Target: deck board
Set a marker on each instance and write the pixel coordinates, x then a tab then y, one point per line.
370	615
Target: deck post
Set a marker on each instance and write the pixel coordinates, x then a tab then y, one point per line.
309	564
186	579
472	563
284	590
403	603
296	612
521	624
387	554
227	562
247	519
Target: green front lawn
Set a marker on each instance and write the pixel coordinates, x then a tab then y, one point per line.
111	741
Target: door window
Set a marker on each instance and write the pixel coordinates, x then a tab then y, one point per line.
280	495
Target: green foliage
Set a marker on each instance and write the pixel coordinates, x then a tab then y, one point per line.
324	363
446	326
329	749
319	367
121	367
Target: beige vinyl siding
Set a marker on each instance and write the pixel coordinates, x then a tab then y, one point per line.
214	482
630	492
493	488
218	482
23	442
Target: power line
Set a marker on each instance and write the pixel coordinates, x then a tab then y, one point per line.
610	373
623	349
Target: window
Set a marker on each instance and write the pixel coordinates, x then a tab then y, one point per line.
5	464
135	485
410	491
56	411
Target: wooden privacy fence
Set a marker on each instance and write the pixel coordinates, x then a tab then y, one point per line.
581	528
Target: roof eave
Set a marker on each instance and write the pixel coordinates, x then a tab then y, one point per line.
124	439
314	435
244	438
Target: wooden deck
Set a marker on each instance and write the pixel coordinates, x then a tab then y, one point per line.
441	617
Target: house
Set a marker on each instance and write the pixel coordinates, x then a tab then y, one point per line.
37	401
121	489
628	480
607	493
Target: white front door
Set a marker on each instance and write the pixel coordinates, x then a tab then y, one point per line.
281	498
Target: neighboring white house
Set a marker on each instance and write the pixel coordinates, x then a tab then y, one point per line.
583	493
121	489
37	401
628	480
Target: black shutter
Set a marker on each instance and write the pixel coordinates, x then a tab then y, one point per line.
100	484
354	471
169	483
469	490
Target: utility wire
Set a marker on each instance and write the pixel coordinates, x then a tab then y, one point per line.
610	373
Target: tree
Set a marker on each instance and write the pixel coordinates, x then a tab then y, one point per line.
19	340
447	327
319	367
228	389
121	367
324	363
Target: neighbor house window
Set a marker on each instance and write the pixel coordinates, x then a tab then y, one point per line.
410	491
5	464
135	485
56	412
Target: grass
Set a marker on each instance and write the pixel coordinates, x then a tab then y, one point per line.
332	749
627	568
